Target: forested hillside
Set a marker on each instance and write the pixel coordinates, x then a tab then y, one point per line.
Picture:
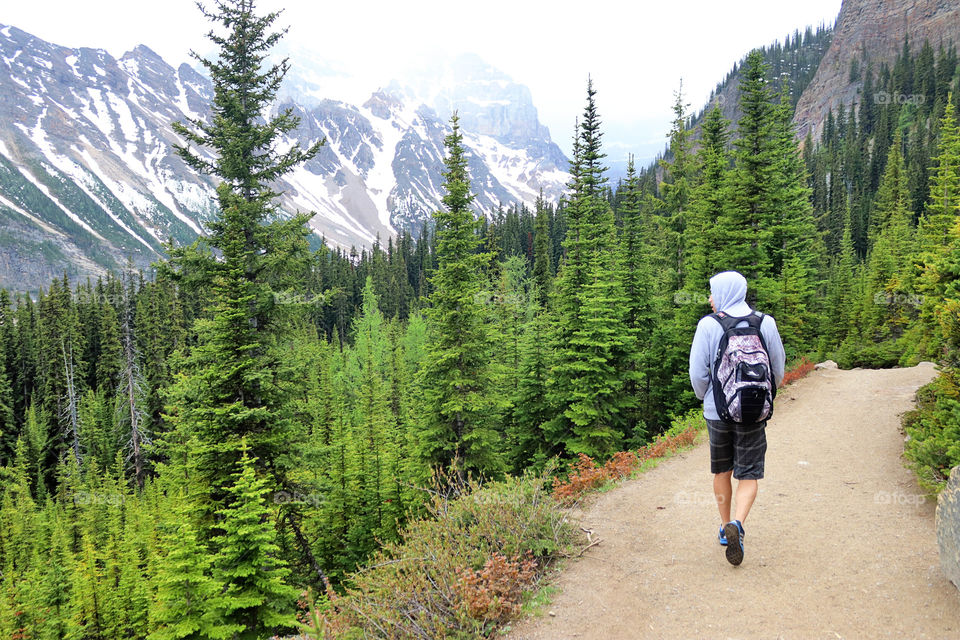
184	451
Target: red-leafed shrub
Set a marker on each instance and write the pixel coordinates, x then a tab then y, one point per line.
585	475
495	592
800	370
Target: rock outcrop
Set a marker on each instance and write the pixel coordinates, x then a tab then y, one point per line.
948	527
871	31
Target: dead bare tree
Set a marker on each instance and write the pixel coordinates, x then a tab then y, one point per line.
130	394
69	415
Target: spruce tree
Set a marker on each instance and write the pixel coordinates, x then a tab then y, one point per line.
594	353
255	601
710	195
234	387
943	209
186	594
462	419
745	227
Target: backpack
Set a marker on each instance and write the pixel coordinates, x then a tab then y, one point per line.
743	387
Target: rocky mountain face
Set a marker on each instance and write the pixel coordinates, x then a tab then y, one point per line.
871	32
89	180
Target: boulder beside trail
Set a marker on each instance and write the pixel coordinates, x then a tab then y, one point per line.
827	364
948	527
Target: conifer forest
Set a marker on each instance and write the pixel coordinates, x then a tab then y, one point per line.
198	449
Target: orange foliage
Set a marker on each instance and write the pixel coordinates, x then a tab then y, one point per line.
800	371
495	592
586	475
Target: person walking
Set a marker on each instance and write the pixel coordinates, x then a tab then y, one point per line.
737	386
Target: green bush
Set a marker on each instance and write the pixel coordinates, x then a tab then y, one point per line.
882	355
428	585
933	430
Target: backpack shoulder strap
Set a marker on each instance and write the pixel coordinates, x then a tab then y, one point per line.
755	319
728	322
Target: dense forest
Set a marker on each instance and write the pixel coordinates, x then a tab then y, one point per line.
183	451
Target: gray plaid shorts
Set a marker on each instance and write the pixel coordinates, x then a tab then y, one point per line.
739	447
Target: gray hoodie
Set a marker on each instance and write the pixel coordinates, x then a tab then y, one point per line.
729	291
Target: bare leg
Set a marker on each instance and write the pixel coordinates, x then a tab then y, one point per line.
746	494
723	492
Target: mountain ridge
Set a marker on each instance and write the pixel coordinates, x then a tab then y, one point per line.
89	179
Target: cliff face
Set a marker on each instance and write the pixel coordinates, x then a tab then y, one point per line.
871	32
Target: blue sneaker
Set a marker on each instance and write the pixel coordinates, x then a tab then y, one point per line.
722	537
734	534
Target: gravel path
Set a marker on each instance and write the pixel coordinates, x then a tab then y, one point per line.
840	542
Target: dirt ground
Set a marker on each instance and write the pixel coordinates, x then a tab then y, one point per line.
840	542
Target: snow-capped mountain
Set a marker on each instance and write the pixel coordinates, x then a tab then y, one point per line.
88	177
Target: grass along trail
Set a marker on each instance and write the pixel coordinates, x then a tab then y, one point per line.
840	542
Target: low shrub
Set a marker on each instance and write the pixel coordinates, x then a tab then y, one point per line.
495	592
460	572
879	355
933	431
585	475
799	370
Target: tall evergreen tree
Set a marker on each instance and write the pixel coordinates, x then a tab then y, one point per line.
746	224
676	189
594	353
943	209
462	414
542	263
232	390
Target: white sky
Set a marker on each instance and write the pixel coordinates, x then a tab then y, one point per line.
637	52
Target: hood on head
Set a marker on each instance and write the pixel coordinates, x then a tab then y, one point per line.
729	289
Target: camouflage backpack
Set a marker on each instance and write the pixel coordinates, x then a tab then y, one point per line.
743	387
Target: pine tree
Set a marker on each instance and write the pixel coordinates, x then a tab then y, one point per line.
255	601
746	224
594	353
943	209
187	596
232	390
460	431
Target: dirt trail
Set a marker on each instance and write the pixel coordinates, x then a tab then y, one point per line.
840	543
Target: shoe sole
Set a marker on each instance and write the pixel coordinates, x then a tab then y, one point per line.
734	552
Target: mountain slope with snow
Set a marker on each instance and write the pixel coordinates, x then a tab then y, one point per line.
89	180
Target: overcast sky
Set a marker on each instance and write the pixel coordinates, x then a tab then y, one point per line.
637	52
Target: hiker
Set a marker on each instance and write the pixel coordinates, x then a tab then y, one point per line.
738	405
